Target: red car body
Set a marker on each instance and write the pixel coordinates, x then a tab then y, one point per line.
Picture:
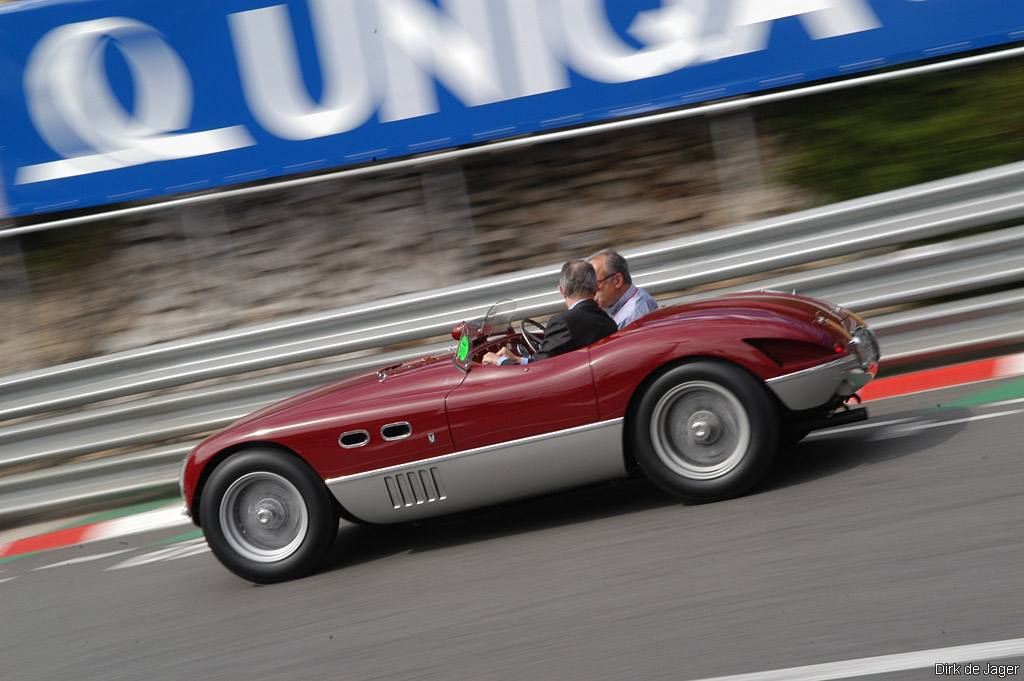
434	436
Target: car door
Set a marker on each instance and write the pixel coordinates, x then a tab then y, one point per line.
494	405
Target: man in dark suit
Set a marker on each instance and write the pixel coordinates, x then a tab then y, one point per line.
583	323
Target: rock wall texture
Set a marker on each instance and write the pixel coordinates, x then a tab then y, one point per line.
102	288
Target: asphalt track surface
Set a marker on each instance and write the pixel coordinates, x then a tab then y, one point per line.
897	536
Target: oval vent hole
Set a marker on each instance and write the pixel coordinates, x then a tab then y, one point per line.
396	431
354	438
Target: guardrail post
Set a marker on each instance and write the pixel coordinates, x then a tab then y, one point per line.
15	295
449	213
737	164
212	257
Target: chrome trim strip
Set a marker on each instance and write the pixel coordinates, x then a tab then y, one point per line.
396	437
840	363
354	432
181	478
484	476
473	452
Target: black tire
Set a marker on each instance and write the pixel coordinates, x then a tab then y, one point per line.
267	516
705	431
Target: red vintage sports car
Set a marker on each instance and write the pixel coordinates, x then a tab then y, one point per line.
698	397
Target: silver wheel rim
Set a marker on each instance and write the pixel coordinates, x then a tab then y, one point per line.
700	430
264	517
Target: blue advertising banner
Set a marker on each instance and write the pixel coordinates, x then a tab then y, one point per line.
111	100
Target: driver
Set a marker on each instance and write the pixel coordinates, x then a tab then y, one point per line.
583	323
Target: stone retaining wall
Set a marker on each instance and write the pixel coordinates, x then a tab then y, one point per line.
176	274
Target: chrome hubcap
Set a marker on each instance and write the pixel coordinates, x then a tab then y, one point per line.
270	513
264	517
700	430
705	427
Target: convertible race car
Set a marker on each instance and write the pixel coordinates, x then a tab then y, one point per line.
698	397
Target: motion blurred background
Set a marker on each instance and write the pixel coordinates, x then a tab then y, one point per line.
78	292
116	275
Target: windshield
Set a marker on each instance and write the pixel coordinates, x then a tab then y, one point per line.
497	320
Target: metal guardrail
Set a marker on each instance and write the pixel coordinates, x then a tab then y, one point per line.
869	276
886	219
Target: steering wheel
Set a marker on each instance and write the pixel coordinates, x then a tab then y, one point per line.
531	339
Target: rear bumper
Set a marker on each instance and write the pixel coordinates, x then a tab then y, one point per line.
833	382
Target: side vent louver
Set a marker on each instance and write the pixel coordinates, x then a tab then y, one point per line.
354	438
415	487
396	431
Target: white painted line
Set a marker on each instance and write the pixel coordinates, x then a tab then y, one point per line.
885	664
192	547
860	426
141	522
82	559
914	423
977	417
7	579
999	404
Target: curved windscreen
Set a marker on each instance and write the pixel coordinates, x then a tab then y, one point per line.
498	318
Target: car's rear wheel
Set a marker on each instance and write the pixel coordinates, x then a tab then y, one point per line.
267	516
705	431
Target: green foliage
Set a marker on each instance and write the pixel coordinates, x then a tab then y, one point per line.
870	139
60	251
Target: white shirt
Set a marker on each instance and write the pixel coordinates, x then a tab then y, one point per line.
633	305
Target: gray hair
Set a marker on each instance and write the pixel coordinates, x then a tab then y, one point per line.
578	279
614	264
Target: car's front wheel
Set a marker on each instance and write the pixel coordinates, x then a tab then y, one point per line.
705	431
267	516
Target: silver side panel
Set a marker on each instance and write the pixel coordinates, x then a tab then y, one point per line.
489	475
815	386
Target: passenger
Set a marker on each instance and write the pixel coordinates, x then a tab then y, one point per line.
580	325
616	293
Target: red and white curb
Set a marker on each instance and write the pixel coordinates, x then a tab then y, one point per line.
171	516
960	374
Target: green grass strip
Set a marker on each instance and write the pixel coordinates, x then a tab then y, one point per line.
1007	391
